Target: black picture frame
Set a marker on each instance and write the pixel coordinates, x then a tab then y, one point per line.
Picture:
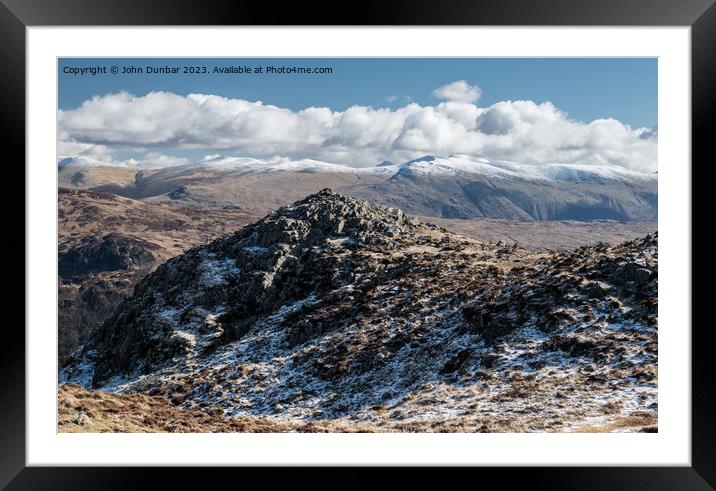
16	15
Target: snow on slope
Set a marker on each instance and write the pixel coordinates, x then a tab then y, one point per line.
462	165
251	165
452	166
429	165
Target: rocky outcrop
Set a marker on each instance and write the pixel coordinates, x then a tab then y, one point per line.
336	308
560	289
214	294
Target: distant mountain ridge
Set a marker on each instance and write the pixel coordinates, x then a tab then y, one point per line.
457	187
445	187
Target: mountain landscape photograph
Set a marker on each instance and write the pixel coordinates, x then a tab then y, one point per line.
357	245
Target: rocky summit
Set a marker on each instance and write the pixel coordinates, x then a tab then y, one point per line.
340	312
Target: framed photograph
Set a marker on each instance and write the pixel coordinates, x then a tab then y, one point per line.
431	237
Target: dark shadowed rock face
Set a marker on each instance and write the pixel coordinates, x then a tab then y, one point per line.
334	307
85	302
111	252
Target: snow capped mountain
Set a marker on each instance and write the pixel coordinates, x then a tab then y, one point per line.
258	166
474	187
455	165
456	186
429	165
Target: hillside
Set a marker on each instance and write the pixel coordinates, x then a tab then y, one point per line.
245	184
457	187
107	243
335	309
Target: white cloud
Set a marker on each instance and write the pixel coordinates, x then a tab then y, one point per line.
404	99
458	91
66	149
74	153
521	131
155	160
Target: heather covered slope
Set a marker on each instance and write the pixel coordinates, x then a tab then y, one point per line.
334	309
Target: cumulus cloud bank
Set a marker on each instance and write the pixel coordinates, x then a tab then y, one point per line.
522	131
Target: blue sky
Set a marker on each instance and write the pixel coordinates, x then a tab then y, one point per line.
530	110
585	88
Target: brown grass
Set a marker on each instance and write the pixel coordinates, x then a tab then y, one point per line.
640	421
85	411
81	410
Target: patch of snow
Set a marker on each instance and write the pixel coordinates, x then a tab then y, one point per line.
81	373
215	272
256	249
247	165
341	241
